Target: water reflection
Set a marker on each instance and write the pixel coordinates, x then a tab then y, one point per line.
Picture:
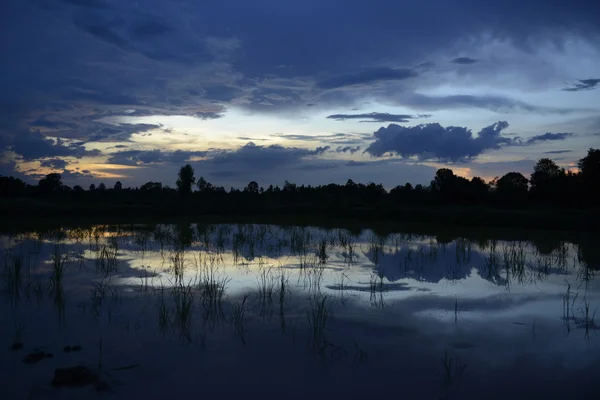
347	295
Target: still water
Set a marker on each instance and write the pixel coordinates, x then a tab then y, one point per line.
289	312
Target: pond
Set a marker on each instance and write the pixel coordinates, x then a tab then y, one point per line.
290	311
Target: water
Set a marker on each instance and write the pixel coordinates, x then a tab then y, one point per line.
167	310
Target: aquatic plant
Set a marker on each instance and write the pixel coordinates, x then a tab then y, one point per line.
317	316
239	318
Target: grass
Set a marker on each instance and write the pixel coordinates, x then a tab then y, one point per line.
266	286
239	318
212	289
283	290
58	267
183	297
453	372
318	316
13	275
164	313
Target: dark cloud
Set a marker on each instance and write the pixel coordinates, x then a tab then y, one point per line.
548	137
315	138
120	132
464	60
493	103
32	145
558	151
208	115
146	157
372	117
583	84
368	76
252	157
55	163
347	149
433	141
46	123
249	139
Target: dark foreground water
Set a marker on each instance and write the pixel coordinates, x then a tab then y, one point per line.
217	311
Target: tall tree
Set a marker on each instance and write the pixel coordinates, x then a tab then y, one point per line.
590	176
51	183
252	187
546	172
118	185
185	179
512	187
590	166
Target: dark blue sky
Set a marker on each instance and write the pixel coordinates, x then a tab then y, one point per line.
309	91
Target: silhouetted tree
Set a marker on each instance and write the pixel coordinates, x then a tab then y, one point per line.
102	186
547	181
185	179
118	185
546	172
252	187
151	187
50	184
204	185
77	189
10	186
590	175
92	187
512	187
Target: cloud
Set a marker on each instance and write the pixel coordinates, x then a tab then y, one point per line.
146	157
372	117
500	104
347	149
367	76
32	145
583	84
558	151
55	163
433	141
548	137
464	60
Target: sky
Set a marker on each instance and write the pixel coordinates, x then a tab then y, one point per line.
313	92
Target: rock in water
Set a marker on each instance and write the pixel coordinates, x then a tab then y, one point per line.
73	377
34	357
18	345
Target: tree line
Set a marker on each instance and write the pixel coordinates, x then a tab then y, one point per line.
548	185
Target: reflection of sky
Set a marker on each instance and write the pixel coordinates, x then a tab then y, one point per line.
411	267
497	321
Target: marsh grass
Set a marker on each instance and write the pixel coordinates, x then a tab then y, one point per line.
177	258
322	252
13	276
212	289
359	354
58	267
317	316
97	295
183	298
239	318
283	290
453	370
377	288
266	286
106	259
